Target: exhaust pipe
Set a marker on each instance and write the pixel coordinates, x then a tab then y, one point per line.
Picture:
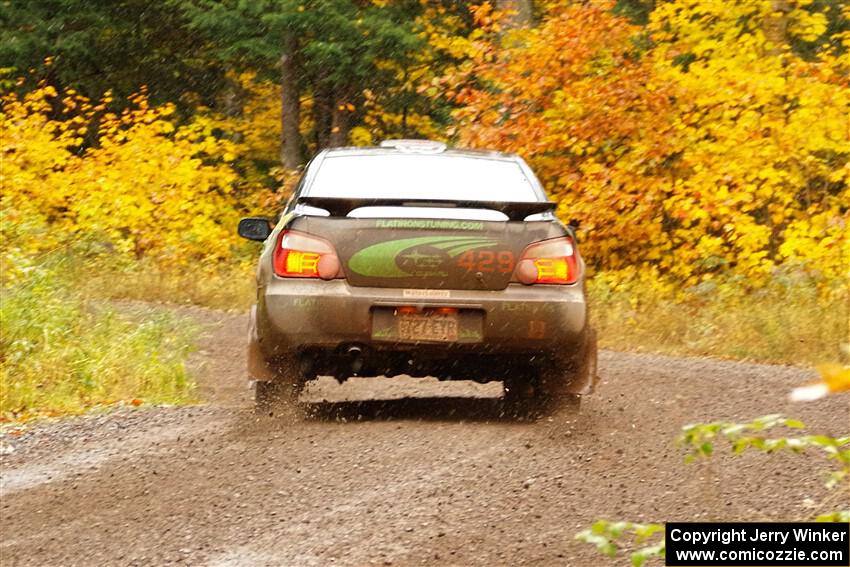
356	354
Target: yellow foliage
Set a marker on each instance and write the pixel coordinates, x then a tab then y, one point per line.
143	183
256	129
764	137
834	378
708	153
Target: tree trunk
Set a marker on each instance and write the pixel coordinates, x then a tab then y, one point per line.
776	26
322	103
290	116
340	115
231	100
404	133
518	13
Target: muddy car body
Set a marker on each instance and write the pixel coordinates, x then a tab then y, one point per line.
414	259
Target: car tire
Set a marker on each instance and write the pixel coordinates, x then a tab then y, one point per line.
552	397
566	404
520	396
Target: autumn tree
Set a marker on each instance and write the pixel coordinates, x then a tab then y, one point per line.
765	176
328	50
707	151
148	186
108	45
575	99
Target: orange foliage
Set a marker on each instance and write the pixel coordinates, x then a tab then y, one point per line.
700	155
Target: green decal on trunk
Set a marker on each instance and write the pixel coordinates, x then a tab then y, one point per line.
427	256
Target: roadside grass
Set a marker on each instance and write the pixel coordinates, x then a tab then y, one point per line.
790	321
787	322
62	353
221	287
66	347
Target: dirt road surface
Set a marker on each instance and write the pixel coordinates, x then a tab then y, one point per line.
417	480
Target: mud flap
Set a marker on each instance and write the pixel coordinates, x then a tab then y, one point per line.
258	367
586	375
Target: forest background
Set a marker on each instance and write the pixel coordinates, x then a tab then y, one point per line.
704	146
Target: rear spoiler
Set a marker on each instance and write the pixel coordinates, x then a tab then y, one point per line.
341	206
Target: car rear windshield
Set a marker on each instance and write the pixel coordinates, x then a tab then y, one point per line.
417	176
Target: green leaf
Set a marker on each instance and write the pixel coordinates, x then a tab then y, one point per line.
640	556
839	516
600	526
647	530
616	529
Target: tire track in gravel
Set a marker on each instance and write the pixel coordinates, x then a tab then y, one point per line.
409	482
355	499
71	463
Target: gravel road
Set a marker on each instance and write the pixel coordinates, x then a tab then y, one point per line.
417	480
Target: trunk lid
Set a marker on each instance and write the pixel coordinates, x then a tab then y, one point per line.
427	253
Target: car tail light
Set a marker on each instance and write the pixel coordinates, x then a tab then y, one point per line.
446	310
549	262
300	255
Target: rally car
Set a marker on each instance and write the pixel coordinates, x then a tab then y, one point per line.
412	258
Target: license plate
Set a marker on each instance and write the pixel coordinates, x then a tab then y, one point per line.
430	327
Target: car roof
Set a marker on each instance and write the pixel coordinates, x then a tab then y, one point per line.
450	152
415	147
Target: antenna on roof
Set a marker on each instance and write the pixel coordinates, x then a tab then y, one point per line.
415	146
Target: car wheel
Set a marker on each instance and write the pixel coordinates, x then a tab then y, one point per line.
518	398
553	393
566	404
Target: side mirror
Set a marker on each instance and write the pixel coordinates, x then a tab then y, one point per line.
255	228
573	227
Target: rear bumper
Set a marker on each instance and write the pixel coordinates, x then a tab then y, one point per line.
298	315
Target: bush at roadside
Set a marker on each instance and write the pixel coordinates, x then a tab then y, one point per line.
61	352
792	319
